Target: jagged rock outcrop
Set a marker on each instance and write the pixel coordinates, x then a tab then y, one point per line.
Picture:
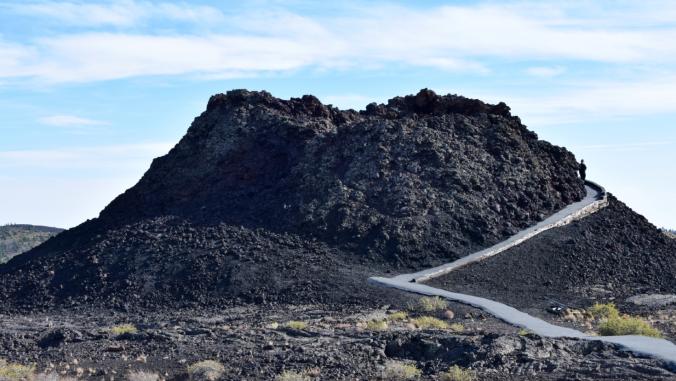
418	180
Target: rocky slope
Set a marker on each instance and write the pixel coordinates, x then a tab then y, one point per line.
610	255
16	239
270	199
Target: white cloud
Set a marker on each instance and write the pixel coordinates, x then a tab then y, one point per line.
69	121
121	13
598	100
455	38
106	56
545	71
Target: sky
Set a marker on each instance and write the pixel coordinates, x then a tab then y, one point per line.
91	92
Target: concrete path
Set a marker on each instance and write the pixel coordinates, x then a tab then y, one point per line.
595	200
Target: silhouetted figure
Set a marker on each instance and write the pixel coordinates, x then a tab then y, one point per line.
583	170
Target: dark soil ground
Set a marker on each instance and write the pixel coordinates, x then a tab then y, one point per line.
254	344
606	257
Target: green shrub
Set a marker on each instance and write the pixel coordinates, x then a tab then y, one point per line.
377	325
399	371
604	311
296	324
123	328
456	373
16	372
430	304
428	322
523	332
627	325
207	370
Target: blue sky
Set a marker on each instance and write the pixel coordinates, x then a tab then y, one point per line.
91	91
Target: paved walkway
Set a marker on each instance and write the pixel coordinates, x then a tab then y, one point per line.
595	200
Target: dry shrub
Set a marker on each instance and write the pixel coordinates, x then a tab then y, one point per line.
207	370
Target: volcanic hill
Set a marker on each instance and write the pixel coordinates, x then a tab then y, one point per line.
267	199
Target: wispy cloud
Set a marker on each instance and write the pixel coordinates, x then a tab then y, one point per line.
70	121
545	71
595	100
454	38
121	13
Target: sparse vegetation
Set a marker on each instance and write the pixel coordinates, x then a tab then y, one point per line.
207	370
456	327
428	322
627	325
15	372
430	304
296	324
523	332
141	375
604	311
290	375
53	376
123	328
614	324
377	325
397	316
400	371
456	373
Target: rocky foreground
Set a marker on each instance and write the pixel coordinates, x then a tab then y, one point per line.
306	343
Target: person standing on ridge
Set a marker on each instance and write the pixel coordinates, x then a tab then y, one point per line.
583	170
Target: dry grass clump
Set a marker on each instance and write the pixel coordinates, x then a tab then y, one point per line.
456	327
628	325
141	375
397	316
669	233
456	373
400	371
430	304
16	372
290	375
377	325
207	370
296	324
428	322
52	377
123	328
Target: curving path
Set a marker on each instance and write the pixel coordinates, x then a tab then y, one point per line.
594	200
